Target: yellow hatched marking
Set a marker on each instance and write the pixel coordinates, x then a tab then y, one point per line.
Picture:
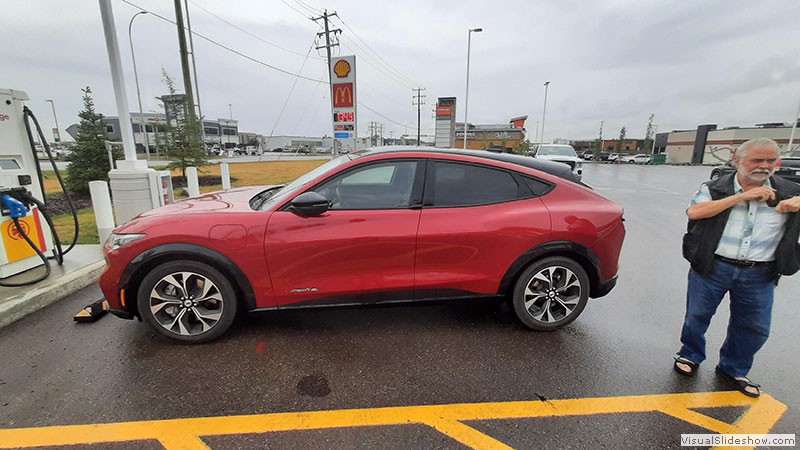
179	434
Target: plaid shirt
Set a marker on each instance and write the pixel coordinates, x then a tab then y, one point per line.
753	229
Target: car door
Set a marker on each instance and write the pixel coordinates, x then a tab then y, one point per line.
476	220
361	250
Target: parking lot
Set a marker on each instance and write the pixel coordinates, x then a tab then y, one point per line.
452	375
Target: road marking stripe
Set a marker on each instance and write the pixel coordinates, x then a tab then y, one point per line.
176	434
467	435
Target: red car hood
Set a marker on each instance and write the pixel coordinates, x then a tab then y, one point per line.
233	200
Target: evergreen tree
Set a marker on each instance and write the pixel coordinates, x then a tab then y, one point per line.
621	140
184	144
89	158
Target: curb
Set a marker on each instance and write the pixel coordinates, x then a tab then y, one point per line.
17	307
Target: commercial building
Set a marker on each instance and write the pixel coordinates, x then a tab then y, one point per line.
708	145
481	137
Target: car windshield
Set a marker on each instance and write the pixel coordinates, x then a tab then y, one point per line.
558	150
271	196
791	154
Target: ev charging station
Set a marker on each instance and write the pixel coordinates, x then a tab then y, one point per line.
18	174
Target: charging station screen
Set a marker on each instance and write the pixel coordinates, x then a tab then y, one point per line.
9	164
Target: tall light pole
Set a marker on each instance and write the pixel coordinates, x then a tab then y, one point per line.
142	126
655	134
544	108
466	95
794	127
57	134
230	111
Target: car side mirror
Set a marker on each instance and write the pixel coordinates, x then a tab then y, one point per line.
309	204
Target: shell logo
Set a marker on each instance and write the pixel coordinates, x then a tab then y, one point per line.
341	68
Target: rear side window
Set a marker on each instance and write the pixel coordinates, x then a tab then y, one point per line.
456	184
537	187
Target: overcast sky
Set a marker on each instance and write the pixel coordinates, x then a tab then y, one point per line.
731	63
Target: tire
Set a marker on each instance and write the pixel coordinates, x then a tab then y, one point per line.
200	315
550	293
631	161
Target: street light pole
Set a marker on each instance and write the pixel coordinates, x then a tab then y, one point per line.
466	95
794	127
655	134
57	134
230	111
544	109
142	126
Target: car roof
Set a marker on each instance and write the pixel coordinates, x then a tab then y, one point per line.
558	169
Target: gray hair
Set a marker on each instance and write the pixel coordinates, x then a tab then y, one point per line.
757	142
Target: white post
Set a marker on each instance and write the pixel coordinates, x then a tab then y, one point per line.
101	203
192	184
225	173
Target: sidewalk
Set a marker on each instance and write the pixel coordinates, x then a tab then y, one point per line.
82	265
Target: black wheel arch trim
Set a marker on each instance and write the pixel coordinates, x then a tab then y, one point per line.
582	254
134	271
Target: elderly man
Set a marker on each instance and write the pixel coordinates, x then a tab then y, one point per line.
742	236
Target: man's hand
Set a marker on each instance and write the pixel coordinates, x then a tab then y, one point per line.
762	193
789	205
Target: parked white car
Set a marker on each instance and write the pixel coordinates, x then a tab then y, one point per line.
560	153
641	158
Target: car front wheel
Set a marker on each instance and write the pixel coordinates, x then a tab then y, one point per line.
187	301
551	293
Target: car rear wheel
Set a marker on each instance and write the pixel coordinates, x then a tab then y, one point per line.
551	293
187	301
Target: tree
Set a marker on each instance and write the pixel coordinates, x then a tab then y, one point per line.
183	141
621	140
648	136
522	147
89	158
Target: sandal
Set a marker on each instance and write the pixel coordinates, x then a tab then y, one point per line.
741	383
687	362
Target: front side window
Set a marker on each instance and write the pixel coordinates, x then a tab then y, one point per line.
386	185
456	184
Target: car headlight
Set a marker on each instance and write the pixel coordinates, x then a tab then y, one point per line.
117	240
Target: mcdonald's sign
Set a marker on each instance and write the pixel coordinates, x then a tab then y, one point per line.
343	95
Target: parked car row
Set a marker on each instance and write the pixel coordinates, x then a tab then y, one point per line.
640	158
789	167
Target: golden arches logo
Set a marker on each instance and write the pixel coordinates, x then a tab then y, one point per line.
343	95
341	68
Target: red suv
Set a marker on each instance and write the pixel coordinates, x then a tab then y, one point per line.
405	224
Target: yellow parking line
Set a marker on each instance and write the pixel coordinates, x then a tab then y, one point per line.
179	434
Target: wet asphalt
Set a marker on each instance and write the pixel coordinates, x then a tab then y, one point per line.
57	372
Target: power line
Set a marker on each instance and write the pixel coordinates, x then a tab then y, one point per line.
249	33
308	7
412	82
224	47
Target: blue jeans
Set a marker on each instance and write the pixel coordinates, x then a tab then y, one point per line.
751	292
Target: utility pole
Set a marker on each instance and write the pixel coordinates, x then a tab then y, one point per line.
187	78
420	100
194	72
325	16
602	142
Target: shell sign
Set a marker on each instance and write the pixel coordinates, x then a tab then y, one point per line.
341	68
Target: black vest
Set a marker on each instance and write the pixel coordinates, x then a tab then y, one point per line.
703	235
